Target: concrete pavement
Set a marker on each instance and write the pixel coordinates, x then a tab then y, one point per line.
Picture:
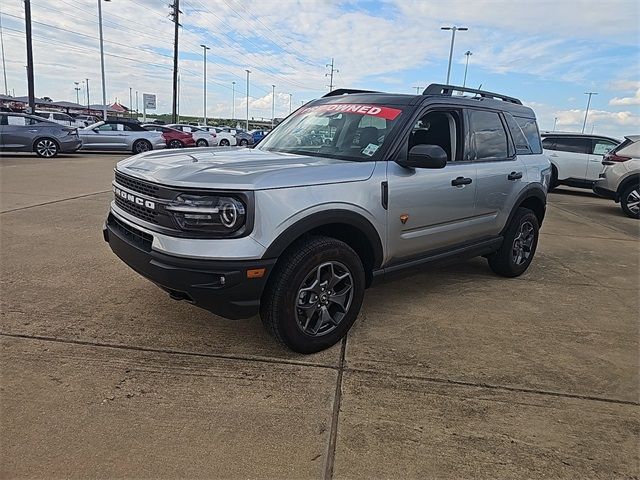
450	373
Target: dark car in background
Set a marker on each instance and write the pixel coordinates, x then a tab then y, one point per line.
29	133
175	138
243	138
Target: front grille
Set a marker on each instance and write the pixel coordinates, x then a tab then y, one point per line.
137	185
133	235
137	210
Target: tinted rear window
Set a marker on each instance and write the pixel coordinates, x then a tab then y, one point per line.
572	144
530	130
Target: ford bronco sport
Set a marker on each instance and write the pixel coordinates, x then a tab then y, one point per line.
349	190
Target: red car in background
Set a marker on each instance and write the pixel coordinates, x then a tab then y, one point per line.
174	138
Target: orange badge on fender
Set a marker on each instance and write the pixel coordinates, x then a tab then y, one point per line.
403	218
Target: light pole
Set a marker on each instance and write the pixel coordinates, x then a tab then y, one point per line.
77	89
587	111
130	103
290	100
204	100
555	120
233	100
137	109
417	90
88	102
104	88
468	53
248	72
273	105
453	29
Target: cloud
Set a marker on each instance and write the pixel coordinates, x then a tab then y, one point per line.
635	100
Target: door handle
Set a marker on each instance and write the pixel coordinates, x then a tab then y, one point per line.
458	182
515	176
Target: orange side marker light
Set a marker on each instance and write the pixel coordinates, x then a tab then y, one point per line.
256	273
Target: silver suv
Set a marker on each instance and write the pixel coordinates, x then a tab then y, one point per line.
348	191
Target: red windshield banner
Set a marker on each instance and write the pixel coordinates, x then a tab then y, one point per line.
387	113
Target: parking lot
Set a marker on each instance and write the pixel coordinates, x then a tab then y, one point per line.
453	372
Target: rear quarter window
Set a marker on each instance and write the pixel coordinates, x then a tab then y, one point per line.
530	129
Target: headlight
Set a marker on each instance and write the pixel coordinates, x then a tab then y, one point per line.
208	213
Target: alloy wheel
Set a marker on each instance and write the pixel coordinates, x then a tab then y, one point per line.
523	243
324	298
633	201
46	148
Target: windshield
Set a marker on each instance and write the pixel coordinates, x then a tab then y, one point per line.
336	130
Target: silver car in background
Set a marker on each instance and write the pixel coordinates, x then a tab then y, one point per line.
620	179
120	135
29	133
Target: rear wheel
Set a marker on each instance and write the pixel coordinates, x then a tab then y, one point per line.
244	142
224	142
46	148
519	245
176	144
630	201
314	295
140	146
202	143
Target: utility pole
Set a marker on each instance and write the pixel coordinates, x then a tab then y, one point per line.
88	103
104	85
130	102
290	99
330	74
273	105
586	113
4	65
27	21
453	29
77	89
248	72
468	53
175	14
417	90
233	100
555	120
204	108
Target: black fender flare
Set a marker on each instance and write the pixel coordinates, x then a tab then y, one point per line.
327	217
535	190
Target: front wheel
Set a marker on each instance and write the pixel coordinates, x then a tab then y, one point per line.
314	294
519	245
175	144
46	148
224	142
630	201
244	142
141	146
202	143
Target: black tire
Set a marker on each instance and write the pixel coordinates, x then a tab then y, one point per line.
280	311
244	142
628	197
553	183
224	142
46	147
140	146
518	249
202	143
175	144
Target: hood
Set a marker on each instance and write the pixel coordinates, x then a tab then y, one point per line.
241	169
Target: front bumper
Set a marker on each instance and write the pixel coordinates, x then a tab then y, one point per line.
600	189
219	286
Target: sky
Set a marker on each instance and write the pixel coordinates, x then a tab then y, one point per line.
547	53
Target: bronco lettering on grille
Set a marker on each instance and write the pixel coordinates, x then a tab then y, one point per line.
134	199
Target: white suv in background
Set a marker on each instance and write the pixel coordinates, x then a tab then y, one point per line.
576	159
61	119
225	139
620	179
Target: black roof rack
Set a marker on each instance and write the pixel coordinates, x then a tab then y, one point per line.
439	89
345	91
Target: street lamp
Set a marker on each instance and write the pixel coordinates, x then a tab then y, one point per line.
290	99
77	89
555	120
248	72
104	88
233	100
273	105
130	102
204	101
587	110
468	53
453	29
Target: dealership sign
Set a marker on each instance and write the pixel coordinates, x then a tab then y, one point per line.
149	101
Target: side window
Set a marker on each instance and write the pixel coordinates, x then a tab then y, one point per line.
488	140
601	147
107	127
127	128
17	121
549	144
573	144
438	128
3	119
530	130
519	140
60	116
32	121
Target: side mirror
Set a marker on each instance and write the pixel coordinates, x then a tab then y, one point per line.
425	156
